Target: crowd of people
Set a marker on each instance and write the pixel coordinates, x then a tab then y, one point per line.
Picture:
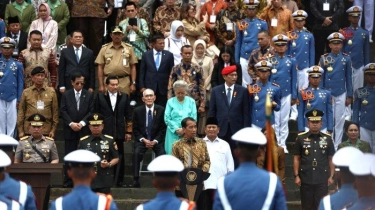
182	79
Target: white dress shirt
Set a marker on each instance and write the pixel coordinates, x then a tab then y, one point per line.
221	161
79	93
231	90
79	51
153	115
113	98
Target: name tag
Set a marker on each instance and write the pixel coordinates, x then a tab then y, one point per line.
132	37
229	26
325	6
15	52
274	22
212	18
124	62
40	105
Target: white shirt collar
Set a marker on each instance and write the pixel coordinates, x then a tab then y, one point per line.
226	86
208	140
154	52
152	108
112	94
75	92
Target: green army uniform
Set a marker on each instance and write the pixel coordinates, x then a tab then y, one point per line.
117	62
105	147
60	14
361	145
25	13
46	146
43	102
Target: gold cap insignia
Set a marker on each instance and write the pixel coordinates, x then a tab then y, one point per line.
336	35
251	1
96	117
264	63
280	37
315	68
6	39
355	9
315	113
299	12
36	118
372	66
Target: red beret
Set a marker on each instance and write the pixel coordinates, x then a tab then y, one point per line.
228	70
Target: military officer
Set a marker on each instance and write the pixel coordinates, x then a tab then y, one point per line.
313	167
347	194
41	99
10	187
11	86
302	47
337	78
259	93
284	73
5	202
363	168
36	148
247	38
364	106
357	45
105	147
165	180
315	97
81	165
232	190
118	59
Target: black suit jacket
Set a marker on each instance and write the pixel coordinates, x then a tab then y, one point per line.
150	77
68	64
158	128
217	78
69	112
115	122
22	40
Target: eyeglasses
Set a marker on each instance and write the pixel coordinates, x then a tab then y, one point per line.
79	83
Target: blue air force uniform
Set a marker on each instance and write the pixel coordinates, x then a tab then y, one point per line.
11	87
346	194
247	40
315	98
363	109
166	199
337	78
302	48
82	197
248	187
259	93
9	204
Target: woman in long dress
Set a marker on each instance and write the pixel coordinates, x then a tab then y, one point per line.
178	107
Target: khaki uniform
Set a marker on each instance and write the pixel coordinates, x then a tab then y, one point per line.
48	107
117	62
27	154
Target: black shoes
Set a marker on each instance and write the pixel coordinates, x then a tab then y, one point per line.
135	184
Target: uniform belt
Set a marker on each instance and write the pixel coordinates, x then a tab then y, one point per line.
315	163
118	76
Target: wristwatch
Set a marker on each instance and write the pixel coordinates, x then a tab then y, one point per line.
295	175
133	83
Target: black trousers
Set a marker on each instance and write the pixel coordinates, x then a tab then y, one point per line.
321	43
139	152
161	98
311	194
201	204
70	146
120	167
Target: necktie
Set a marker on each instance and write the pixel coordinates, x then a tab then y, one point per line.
149	124
157	61
229	94
77	57
77	100
15	38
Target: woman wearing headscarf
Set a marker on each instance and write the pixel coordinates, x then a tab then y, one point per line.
176	40
47	26
207	66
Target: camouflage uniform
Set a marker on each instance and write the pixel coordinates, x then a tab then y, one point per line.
28	106
113	60
256	56
27	154
224	17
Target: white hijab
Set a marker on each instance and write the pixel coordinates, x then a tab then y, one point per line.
174	26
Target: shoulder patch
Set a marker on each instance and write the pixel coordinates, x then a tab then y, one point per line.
83	138
108	136
49	138
24	138
274	84
300	134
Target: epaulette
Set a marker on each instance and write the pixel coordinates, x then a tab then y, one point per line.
83	138
108	136
105	45
49	138
325	54
127	44
24	138
274	84
327	134
300	134
346	54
